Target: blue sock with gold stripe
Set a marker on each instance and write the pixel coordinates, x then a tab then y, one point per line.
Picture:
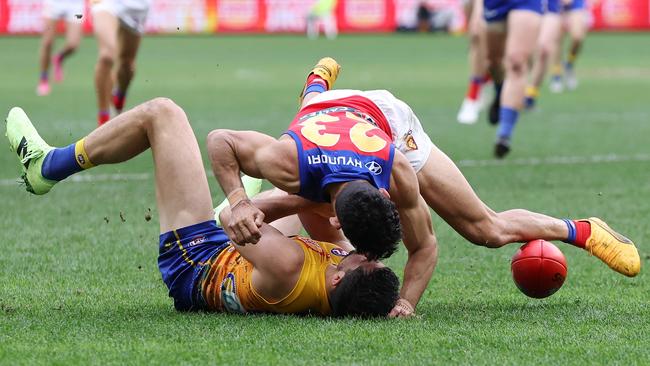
62	162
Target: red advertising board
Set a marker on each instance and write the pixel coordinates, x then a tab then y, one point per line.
271	16
621	14
366	15
240	15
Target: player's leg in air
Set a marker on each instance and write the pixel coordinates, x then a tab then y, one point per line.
118	28
53	11
151	125
576	18
182	192
448	193
477	57
520	21
547	48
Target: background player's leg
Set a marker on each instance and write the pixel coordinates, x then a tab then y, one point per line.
45	52
128	45
577	26
72	40
446	190
549	39
477	58
330	26
523	32
106	26
496	43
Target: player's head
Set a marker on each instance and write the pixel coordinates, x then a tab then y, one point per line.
363	288
369	219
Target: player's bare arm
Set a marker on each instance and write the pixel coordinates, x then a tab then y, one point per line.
274	276
314	217
278	204
418	235
257	155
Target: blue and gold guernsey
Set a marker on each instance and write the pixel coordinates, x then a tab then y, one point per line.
341	140
204	271
227	285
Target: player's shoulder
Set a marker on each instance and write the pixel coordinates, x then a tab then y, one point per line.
277	152
326	249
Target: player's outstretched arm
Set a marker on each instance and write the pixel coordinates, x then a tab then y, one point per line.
418	236
289	210
257	155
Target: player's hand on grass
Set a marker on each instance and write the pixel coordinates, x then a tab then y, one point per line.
245	222
402	309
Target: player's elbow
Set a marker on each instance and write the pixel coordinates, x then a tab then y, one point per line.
217	139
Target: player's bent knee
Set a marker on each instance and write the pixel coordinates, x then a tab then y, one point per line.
516	63
162	111
106	58
166	106
486	233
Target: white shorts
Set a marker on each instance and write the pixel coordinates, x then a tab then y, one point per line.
68	10
131	13
407	133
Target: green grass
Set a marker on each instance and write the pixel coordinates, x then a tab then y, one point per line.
76	289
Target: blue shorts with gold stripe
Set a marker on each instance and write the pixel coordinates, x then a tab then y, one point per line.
183	256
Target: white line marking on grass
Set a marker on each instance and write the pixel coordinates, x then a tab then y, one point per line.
551	160
556	160
91	178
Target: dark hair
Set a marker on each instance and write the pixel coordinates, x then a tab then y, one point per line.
365	294
369	219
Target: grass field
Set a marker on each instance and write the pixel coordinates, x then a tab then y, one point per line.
79	285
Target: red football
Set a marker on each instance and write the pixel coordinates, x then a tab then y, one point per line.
538	268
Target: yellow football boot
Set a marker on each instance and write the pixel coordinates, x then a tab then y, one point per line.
328	69
617	251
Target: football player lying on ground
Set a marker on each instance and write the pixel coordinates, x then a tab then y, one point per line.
201	267
335	149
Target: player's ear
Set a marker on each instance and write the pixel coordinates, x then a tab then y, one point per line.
384	193
336	279
334	221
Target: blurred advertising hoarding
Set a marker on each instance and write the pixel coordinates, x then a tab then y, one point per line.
289	16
